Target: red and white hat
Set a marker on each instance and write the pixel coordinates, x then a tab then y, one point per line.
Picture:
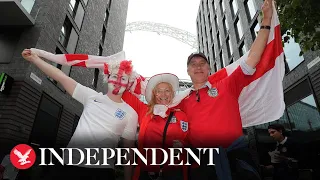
159	78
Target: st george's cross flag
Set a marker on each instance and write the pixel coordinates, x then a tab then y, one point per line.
261	101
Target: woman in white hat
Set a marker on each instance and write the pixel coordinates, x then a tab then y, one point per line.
159	122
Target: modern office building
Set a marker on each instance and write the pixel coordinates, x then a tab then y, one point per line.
35	109
226	30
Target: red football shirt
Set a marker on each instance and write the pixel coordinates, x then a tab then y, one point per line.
214	120
152	127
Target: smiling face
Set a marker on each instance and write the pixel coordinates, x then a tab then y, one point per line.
117	83
198	70
163	94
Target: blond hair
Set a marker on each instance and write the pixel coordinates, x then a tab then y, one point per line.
152	102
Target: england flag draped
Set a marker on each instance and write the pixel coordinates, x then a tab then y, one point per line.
262	100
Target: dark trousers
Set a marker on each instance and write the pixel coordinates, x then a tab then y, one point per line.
81	173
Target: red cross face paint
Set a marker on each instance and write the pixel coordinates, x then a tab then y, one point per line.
118	80
118	83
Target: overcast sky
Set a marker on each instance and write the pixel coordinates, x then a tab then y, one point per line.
152	53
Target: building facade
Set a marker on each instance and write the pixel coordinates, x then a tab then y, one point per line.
35	109
226	30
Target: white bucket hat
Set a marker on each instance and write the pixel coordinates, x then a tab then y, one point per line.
159	78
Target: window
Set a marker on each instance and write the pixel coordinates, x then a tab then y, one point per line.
216	23
255	29
234	7
8	42
219	41
225	26
231	61
100	50
65	32
250	9
73	5
213	52
28	5
79	15
304	115
302	111
207	48
215	67
292	50
77	12
205	31
229	47
214	7
222	7
242	49
239	32
221	60
103	35
46	122
211	35
106	16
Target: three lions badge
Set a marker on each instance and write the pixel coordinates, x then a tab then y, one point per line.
184	126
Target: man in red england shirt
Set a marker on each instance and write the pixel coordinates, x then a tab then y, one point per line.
212	106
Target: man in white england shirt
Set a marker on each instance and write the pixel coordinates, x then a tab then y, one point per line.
105	119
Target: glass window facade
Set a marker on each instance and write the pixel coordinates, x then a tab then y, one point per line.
304	115
234	6
250	9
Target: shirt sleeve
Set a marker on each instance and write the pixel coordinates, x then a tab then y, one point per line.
246	69
130	130
236	82
136	104
82	93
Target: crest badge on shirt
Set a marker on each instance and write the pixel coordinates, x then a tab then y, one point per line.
213	92
173	120
184	126
120	114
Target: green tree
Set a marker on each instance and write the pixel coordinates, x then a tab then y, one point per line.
300	19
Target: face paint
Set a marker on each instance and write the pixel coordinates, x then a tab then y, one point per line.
117	83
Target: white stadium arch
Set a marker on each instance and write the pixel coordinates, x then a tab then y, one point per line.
164	29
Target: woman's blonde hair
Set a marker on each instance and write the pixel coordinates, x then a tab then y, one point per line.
152	102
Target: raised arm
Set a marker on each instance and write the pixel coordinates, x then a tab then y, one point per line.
68	83
260	42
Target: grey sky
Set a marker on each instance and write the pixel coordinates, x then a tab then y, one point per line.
152	53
